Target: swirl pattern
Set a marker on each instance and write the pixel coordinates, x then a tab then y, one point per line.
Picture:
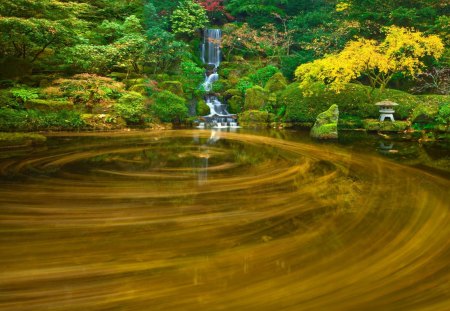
198	220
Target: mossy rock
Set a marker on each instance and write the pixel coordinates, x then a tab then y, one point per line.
236	104
21	139
175	87
48	105
202	108
353	100
103	121
255	118
386	126
326	125
132	82
255	98
140	88
276	83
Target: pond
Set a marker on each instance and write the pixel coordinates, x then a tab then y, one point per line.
220	220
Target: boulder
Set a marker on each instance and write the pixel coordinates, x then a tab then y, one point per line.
326	124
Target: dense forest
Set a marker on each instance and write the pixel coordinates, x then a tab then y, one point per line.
103	64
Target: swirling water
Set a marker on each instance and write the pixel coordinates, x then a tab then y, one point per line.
201	220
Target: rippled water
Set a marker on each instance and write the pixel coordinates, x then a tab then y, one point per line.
200	220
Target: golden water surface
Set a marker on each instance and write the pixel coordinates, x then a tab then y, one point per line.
201	220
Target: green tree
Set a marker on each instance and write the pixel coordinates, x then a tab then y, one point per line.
188	17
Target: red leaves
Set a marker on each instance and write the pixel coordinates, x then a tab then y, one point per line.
212	5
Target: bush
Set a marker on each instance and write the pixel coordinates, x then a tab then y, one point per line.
33	120
24	94
255	98
243	85
258	118
352	101
263	75
131	107
169	107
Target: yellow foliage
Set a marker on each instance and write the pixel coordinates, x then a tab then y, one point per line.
402	51
342	6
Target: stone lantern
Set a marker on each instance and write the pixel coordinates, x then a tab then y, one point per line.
386	110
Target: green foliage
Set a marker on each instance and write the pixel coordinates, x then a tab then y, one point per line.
192	76
188	17
24	94
255	98
443	116
351	101
131	107
202	108
255	118
169	107
243	85
263	75
276	83
33	120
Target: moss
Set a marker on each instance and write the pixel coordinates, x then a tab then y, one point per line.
48	105
325	131
424	113
175	87
326	124
386	126
235	104
350	123
103	121
21	139
276	83
132	82
202	108
140	88
232	92
353	101
255	118
255	98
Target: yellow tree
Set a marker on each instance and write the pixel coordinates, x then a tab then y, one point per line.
402	51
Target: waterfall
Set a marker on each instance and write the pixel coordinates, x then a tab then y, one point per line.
211	56
211	47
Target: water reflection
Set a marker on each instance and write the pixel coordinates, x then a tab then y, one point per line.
195	220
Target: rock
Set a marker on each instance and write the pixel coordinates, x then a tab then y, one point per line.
276	83
326	124
255	98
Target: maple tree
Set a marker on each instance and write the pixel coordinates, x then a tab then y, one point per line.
402	51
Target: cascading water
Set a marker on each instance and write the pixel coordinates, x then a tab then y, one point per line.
211	56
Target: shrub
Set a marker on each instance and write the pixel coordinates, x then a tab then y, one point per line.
353	100
263	75
169	107
24	94
443	116
131	107
33	120
243	85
